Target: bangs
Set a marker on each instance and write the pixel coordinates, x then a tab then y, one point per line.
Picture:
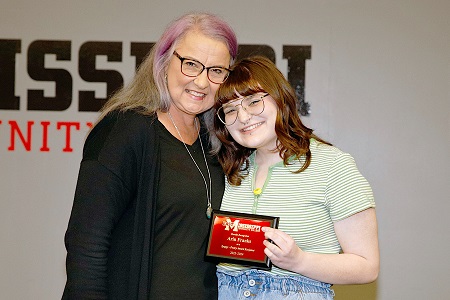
239	83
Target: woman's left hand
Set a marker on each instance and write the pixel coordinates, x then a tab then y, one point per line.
283	252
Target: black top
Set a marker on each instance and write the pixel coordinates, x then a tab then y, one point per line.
117	242
181	228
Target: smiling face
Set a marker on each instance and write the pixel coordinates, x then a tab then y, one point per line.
255	131
194	95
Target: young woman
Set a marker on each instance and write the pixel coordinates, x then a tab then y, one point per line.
139	219
276	166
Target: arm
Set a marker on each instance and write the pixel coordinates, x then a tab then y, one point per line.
100	198
358	263
105	183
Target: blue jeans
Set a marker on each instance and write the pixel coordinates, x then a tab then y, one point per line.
258	285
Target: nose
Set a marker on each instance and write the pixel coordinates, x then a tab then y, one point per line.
202	80
243	116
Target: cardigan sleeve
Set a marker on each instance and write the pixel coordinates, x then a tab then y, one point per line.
97	205
105	187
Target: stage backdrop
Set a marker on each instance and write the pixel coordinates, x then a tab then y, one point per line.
374	77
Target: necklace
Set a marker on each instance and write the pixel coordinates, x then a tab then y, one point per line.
208	192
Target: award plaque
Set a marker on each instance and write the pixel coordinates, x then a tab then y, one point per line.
237	238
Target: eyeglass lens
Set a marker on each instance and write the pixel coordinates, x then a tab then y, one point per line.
194	68
253	105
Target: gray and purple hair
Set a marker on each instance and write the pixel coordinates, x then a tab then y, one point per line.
208	24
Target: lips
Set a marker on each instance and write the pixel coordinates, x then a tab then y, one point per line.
251	127
196	94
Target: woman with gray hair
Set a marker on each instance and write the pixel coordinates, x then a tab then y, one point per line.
146	184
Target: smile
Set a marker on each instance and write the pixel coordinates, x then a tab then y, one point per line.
251	127
196	94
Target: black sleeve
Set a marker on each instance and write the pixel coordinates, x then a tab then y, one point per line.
104	190
100	198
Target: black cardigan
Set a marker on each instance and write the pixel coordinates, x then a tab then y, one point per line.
105	259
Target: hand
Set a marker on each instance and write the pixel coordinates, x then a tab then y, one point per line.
283	252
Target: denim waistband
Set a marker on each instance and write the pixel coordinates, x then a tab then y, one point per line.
265	280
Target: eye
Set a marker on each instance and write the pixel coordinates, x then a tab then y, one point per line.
192	64
254	101
217	71
229	110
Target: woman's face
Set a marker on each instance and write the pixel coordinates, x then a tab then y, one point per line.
255	131
194	95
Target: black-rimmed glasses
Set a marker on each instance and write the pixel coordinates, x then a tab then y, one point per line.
193	68
253	105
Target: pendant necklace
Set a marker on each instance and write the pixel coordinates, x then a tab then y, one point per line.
208	192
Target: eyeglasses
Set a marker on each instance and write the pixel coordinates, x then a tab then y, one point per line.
193	68
253	105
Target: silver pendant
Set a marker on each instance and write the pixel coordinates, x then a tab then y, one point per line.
209	212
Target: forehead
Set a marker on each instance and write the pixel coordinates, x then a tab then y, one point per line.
235	100
208	51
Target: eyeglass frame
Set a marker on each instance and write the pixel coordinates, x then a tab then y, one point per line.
240	104
182	59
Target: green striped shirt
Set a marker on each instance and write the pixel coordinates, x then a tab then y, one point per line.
307	203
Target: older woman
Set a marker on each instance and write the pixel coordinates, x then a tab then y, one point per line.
146	185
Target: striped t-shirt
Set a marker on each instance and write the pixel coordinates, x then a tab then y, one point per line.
307	203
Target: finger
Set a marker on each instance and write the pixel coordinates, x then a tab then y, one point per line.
269	253
273	248
276	234
266	229
270	245
270	233
276	238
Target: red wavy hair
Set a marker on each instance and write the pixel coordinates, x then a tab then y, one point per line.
249	76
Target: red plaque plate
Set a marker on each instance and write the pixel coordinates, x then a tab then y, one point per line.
237	238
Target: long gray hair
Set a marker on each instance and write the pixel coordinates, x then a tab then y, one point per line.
147	93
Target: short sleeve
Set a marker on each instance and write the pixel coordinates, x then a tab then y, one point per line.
347	191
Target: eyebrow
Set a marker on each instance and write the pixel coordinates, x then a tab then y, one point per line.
196	60
230	103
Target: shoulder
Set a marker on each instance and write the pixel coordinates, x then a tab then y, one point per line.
324	151
327	157
119	131
125	122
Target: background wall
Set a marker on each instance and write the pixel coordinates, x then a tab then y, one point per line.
377	82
